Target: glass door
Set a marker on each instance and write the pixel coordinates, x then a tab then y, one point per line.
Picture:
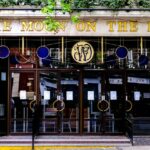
139	100
91	97
69	87
23	93
48	89
59	93
115	88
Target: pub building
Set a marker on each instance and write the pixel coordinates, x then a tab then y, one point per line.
88	78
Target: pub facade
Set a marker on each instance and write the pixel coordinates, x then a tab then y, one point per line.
90	78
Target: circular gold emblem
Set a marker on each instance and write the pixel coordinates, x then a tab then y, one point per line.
82	52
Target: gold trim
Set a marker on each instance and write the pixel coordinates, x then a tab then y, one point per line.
102	49
130	108
62	46
101	102
141	45
62	105
31	104
22	45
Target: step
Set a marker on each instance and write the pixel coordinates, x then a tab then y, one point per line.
141	140
67	140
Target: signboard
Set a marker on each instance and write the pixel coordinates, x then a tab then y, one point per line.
92	27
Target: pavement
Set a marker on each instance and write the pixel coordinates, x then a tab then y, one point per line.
134	148
74	143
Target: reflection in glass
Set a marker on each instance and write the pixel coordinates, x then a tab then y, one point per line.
21	95
48	93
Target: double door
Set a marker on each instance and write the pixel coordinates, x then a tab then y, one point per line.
71	101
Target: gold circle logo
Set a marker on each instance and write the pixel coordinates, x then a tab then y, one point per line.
82	52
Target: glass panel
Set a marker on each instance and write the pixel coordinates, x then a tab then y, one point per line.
52	48
115	95
81	52
91	95
21	114
58	87
22	55
24	51
48	94
113	56
139	93
138	87
70	92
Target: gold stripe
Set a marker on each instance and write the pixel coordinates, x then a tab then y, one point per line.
62	47
22	46
141	44
54	147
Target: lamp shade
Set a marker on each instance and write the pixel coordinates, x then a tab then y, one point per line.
4	51
121	52
143	60
42	52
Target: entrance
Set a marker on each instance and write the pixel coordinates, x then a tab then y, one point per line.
103	102
59	99
69	101
56	95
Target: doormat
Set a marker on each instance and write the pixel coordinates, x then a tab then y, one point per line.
57	148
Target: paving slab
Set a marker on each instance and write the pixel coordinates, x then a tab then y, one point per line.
134	148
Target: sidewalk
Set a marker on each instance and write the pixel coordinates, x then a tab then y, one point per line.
74	143
134	148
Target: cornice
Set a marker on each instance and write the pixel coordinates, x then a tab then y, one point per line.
20	14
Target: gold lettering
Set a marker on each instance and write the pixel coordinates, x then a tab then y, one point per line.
38	26
27	26
122	26
80	26
148	29
111	25
7	25
133	26
91	26
63	25
46	27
